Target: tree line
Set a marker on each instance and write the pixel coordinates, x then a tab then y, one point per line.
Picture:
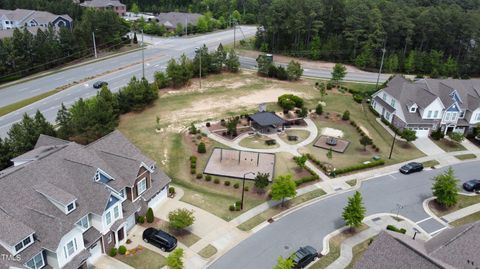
438	38
25	53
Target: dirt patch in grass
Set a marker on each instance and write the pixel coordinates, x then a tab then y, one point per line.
143	258
184	236
271	212
207	251
463	201
334	246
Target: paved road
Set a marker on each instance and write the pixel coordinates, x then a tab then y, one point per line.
309	225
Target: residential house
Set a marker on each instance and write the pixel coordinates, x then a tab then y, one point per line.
114	5
171	19
62	205
426	105
10	19
451	248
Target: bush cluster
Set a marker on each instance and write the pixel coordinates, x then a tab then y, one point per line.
395	229
193	165
141	219
208	178
362	134
122	249
359	167
113	252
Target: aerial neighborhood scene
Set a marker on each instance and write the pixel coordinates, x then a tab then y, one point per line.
263	134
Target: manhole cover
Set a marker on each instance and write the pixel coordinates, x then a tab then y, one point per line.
286	247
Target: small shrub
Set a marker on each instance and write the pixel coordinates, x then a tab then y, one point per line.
395	229
193	159
113	252
141	219
208	178
193	165
199	176
193	171
216	181
358	98
231	208
226	183
246	188
236	185
437	135
122	250
346	115
319	109
171	190
201	148
149	216
208	124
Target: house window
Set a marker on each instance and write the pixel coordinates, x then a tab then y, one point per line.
429	115
435	115
23	244
36	262
387	115
142	186
70	248
462	114
108	218
384	96
392	103
478	116
70	207
116	212
84	223
109	238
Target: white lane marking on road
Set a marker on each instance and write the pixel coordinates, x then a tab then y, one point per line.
68	94
425	219
157	65
22	89
85	85
58	78
439	230
392	176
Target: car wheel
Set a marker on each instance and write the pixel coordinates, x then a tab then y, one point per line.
162	248
146	240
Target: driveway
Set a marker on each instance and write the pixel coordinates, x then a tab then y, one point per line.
395	193
427	146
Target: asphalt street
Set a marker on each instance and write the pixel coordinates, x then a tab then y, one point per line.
309	225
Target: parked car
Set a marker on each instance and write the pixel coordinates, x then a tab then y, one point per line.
160	239
304	256
472	185
99	84
411	168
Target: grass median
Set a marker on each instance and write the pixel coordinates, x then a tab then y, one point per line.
23	103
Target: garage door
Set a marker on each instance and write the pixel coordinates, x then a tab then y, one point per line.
421	131
157	199
95	251
130	222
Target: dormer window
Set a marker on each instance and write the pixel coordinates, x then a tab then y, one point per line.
36	262
413	109
23	244
102	177
70	207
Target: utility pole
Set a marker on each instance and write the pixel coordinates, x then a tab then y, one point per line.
143	58
199	51
186	26
393	144
234	33
243	187
94	45
381	66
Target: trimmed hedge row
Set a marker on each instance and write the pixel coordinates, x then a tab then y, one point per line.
317	162
362	133
359	167
193	165
313	176
395	229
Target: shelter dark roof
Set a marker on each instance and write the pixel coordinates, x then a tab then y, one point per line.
267	118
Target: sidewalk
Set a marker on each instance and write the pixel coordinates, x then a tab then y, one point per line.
462	213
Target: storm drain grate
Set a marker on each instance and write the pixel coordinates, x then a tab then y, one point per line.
338	189
286	247
376	219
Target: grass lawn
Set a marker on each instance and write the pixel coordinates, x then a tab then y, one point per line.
257	142
334	244
463	157
271	212
430	163
143	259
301	134
463	201
358	250
207	251
448	145
466	220
352	182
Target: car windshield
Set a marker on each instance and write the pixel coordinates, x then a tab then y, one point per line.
407	166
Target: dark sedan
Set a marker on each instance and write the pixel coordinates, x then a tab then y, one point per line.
411	168
99	84
304	256
160	239
472	185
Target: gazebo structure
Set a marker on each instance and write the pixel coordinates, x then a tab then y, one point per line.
266	122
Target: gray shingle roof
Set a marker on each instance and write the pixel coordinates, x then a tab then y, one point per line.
102	3
12	231
53	192
267	118
45	140
384	104
91	236
171	19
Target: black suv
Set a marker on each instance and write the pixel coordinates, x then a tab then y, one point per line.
160	239
411	168
304	256
472	185
99	84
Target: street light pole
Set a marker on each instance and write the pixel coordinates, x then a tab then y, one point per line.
94	45
381	66
143	58
234	33
199	51
393	144
243	188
